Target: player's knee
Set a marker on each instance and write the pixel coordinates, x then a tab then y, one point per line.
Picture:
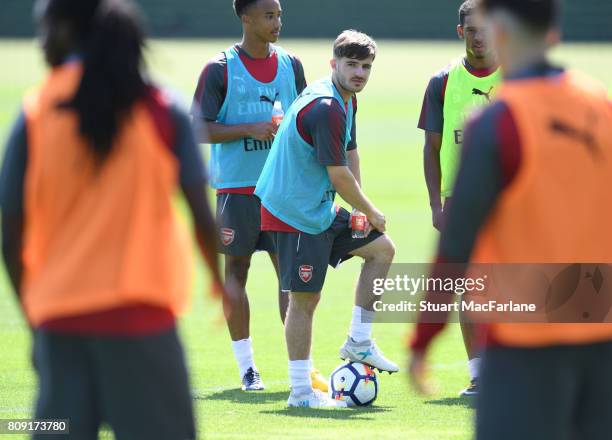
385	251
304	302
238	268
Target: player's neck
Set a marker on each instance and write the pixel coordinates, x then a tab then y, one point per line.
488	63
254	46
521	58
346	94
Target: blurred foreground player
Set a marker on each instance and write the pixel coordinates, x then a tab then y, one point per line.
90	237
451	96
533	187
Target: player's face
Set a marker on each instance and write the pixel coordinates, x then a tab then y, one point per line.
264	20
352	74
55	38
476	32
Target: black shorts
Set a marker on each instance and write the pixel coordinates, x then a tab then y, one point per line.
137	385
303	258
239	221
559	392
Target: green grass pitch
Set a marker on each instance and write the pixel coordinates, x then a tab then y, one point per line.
390	146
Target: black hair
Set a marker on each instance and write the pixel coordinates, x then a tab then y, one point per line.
466	8
109	35
539	15
241	6
354	44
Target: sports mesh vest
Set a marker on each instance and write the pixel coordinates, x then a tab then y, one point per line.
558	209
464	93
239	163
293	185
98	238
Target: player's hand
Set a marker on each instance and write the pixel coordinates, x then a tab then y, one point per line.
368	226
437	214
417	373
377	220
262	131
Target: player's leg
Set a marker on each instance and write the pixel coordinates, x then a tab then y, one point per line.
317	379
239	221
303	266
238	322
470	341
595	405
67	388
377	251
144	386
283	298
528	393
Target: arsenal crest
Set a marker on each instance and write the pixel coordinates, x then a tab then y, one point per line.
305	273
227	236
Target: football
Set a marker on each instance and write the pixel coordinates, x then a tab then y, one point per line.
354	383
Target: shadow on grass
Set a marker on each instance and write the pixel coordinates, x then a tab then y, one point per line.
239	396
453	401
330	413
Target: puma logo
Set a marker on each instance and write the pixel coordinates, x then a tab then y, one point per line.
584	137
479	92
264	98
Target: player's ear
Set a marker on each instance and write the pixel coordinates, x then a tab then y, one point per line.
553	37
332	63
460	32
245	19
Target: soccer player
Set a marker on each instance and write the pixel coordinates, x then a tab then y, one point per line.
89	234
234	98
314	155
452	94
536	172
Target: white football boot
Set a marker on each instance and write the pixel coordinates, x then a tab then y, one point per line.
368	353
315	399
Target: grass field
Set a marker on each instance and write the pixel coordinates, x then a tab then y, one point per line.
390	146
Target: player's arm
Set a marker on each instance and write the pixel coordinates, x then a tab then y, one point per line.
193	183
351	150
432	170
12	180
325	125
298	71
431	122
347	186
219	133
490	161
207	102
354	165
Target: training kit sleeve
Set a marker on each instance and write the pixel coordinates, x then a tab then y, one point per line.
322	124
432	110
12	176
490	160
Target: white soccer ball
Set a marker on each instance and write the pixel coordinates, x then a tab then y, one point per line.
354	383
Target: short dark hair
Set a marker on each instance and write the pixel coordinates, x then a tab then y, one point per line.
539	15
354	44
466	8
241	6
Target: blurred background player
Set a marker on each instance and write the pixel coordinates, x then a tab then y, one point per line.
308	164
234	98
451	96
90	237
536	171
